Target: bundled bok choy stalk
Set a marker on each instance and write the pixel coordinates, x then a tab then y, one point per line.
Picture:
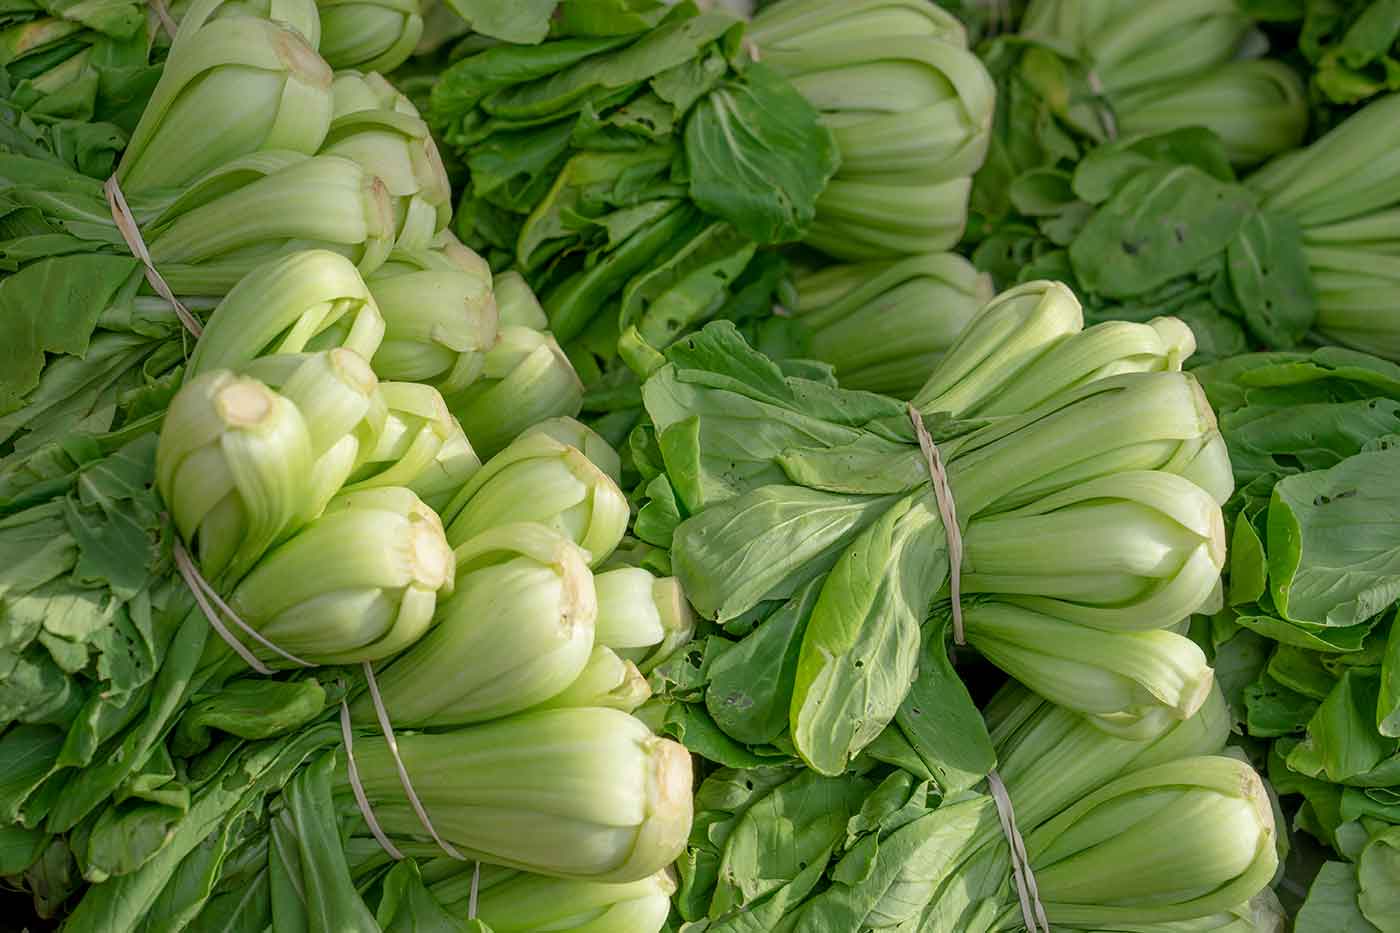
818	540
778	848
280	452
883	326
910	108
1342	192
529	623
586	794
1112	168
1148	66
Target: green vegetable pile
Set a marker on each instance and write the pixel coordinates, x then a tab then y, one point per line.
639	466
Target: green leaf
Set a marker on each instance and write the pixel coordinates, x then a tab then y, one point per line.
941	722
782	834
1376	872
758	157
1331	906
1269	274
241	786
657	50
524	21
766	544
860	653
1162	224
690	725
250	708
407	907
1334	541
1388	703
688	288
52	306
1342	743
1275	710
751	684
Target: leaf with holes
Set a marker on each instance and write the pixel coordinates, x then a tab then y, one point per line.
1163	223
1269	274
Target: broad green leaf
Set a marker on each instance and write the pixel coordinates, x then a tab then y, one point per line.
1160	225
768	544
1376	873
758	157
523	21
798	823
1275	710
1334	541
52	306
1331	906
1269	273
941	722
751	684
860	653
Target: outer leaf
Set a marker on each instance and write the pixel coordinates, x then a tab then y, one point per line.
758	157
860	652
1161	224
1334	541
751	684
1331	905
52	306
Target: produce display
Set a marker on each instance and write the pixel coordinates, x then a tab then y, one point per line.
681	466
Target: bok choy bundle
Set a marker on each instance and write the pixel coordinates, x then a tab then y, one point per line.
910	108
818	541
777	848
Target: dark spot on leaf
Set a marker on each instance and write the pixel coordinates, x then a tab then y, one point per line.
859	664
1180	232
1346	494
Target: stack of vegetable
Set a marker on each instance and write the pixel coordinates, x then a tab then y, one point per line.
874	591
270	499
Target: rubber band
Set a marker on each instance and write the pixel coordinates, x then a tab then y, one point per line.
358	789
476	886
1032	911
1110	125
944	494
382	713
213	607
163	14
126	226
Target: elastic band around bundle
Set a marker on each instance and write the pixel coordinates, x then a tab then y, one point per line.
382	713
213	607
944	494
126	225
163	14
358	789
1032	911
